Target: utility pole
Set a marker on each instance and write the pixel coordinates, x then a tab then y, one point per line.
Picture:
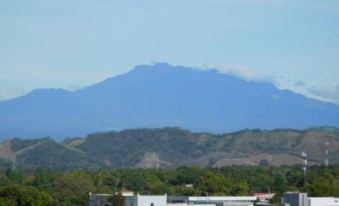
326	162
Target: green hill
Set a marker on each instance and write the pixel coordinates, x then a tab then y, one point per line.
174	147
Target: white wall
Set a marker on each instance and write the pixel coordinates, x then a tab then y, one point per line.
152	200
323	201
184	204
222	198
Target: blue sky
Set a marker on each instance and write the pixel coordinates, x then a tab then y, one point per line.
72	43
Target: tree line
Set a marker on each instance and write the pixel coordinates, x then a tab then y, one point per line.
44	186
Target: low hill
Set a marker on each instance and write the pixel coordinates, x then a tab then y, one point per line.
174	147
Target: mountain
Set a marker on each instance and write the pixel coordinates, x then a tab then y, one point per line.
162	95
173	147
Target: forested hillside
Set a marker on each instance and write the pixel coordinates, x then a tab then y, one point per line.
172	148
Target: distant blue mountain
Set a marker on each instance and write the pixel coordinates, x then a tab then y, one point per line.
162	95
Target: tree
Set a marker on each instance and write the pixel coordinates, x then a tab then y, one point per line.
214	184
73	188
118	199
24	196
43	179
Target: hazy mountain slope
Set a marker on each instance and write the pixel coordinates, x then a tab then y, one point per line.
158	96
173	147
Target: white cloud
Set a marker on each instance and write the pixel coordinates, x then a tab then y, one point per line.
323	93
237	70
327	92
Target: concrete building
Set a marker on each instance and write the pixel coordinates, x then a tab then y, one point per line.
151	200
301	199
187	204
163	200
100	200
294	199
323	201
107	199
223	200
211	201
129	200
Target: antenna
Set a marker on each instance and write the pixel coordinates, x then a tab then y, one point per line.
304	157
326	162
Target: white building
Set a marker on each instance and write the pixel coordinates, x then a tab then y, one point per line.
294	199
151	200
323	201
301	199
163	200
185	204
224	200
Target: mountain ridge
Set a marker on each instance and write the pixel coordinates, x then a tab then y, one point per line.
162	95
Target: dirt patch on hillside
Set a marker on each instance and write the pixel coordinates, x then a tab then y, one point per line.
272	159
7	153
152	160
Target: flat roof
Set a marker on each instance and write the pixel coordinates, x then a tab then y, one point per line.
223	198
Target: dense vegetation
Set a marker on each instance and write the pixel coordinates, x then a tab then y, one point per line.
172	148
44	186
